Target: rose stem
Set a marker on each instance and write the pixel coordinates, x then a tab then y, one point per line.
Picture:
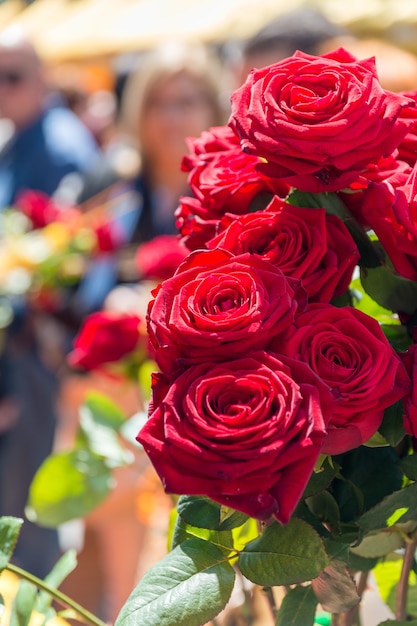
402	590
352	617
88	617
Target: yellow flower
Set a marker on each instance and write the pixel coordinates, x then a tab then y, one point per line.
57	235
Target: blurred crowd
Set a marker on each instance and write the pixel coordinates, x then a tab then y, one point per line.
117	140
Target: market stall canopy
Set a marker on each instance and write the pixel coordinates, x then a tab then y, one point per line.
78	29
9	11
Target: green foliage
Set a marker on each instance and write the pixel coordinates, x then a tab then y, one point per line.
392	428
298	608
66	486
387	575
321	478
284	555
409	466
189	587
396	511
9	532
389	289
62	568
23	604
366	477
223	539
34	597
72	483
202	512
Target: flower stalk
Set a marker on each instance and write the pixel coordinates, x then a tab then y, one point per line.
402	590
63	599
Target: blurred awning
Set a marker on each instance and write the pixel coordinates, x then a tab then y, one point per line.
9	11
80	29
38	17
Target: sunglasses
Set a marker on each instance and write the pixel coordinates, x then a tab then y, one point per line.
12	78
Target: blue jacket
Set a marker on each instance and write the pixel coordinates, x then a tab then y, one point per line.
39	156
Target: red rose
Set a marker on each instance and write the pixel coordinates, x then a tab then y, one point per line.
41	209
109	236
159	258
246	433
105	337
230	179
219	306
392	214
304	243
388	170
194	223
349	352
204	148
407	149
318	121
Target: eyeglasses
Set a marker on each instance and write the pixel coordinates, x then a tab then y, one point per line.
12	78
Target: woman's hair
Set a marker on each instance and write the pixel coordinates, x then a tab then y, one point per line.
167	61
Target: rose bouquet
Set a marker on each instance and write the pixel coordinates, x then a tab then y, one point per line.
285	346
47	247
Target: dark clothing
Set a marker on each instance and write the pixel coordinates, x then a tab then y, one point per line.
39	156
134	210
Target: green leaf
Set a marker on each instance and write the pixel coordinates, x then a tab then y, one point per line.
397	335
23	604
67	485
298	608
392	428
335	588
244	534
389	289
100	438
321	479
325	508
145	371
378	544
231	519
409	466
202	512
223	539
363	302
376	441
303	512
199	511
398	510
64	566
369	474
189	587
284	555
361	564
9	532
103	411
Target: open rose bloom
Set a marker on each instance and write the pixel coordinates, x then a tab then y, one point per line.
266	362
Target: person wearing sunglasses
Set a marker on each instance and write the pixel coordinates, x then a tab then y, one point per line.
46	142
